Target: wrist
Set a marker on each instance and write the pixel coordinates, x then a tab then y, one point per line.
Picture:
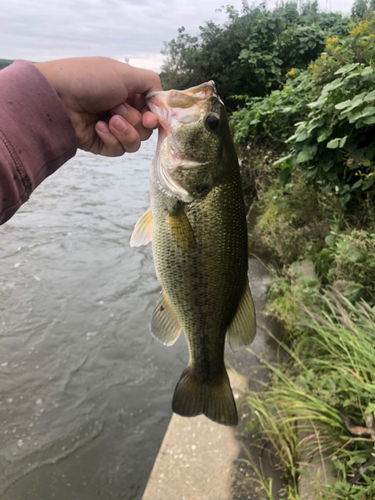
54	74
48	71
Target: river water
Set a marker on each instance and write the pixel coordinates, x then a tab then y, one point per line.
85	391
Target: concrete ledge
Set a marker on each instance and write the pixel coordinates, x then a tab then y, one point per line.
192	464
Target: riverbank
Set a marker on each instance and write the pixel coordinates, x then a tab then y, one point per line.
314	186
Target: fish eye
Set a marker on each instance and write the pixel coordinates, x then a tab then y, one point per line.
212	121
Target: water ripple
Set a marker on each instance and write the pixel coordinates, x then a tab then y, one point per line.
75	348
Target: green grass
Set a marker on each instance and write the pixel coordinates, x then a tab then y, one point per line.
330	369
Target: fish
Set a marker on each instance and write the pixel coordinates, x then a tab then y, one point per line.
197	225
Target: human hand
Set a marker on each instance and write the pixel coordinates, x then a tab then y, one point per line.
104	101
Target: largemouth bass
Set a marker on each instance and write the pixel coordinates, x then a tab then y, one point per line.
198	230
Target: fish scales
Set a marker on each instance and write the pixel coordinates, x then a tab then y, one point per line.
197	225
208	279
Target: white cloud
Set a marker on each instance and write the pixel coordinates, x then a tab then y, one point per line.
153	63
45	29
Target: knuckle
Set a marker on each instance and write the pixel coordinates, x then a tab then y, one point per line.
132	147
155	78
145	134
133	116
112	151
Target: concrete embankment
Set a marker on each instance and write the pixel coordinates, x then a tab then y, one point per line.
201	460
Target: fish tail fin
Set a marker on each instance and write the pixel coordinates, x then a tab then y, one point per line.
214	399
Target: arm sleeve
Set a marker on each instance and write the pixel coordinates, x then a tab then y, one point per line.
36	134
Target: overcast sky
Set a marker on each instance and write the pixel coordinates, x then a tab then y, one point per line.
40	30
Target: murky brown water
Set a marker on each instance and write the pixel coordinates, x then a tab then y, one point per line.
85	391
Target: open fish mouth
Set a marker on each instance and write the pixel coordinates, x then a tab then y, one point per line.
184	106
186	98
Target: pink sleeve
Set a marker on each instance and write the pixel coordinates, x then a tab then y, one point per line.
36	134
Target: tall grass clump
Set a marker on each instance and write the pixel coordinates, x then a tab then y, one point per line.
320	403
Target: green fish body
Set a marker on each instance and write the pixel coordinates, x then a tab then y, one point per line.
197	225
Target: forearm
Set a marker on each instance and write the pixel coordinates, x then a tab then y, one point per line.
36	134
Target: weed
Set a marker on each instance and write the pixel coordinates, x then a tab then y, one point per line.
330	373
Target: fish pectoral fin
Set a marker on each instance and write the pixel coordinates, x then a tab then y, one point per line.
142	233
214	399
241	331
164	325
181	230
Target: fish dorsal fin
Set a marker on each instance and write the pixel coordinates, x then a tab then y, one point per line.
181	230
241	331
142	233
164	325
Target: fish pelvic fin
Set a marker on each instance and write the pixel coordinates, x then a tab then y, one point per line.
242	329
164	325
214	399
142	233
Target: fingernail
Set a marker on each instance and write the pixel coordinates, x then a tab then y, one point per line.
102	127
119	110
119	124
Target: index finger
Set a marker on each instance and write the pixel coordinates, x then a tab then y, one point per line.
149	120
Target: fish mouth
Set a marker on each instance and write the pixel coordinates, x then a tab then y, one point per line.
184	98
184	106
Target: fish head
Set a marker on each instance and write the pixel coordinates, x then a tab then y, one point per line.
193	132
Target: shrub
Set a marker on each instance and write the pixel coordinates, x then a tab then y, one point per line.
334	143
294	221
274	116
349	264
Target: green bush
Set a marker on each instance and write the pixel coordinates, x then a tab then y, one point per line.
286	294
274	116
335	143
349	264
293	221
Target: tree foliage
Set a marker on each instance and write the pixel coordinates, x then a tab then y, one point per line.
251	53
362	8
333	103
5	62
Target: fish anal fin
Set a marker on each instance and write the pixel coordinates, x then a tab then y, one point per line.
142	233
241	331
214	399
164	325
181	230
